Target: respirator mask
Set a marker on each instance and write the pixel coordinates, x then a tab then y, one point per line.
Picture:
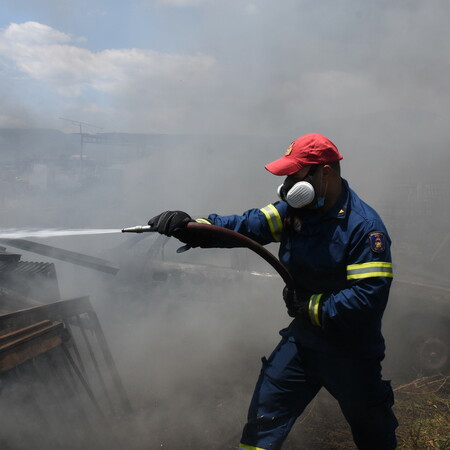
301	193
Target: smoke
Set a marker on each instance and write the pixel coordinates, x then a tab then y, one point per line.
299	64
189	360
223	87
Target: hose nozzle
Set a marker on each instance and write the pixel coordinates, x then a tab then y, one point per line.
138	229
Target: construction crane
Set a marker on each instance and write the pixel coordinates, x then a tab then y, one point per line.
80	126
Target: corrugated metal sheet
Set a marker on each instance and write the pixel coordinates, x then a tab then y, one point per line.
26	268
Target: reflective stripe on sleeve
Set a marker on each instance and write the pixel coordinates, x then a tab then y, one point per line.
250	447
201	220
313	309
369	269
274	219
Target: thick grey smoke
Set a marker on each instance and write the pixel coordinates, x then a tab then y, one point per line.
240	80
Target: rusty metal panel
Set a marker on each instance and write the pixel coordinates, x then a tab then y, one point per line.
30	342
57	311
63	311
18	334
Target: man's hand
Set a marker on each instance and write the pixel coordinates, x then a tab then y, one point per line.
173	223
170	222
297	306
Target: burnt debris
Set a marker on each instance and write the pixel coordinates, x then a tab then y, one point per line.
59	384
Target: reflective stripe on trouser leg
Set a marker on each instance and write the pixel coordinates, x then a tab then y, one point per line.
281	394
250	447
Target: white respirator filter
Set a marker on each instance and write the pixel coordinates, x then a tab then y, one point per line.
300	195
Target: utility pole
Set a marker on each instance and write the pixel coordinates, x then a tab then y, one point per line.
80	127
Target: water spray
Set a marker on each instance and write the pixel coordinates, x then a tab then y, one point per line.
20	233
13	237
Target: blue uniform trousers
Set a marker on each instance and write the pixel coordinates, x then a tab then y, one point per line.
292	377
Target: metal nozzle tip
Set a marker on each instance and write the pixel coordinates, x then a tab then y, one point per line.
138	229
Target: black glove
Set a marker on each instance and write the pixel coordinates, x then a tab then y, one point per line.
195	238
297	305
173	223
170	223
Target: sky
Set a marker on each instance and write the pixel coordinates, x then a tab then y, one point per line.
225	66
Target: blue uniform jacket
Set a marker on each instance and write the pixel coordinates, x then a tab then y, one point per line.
341	262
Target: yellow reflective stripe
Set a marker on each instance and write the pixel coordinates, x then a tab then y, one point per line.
313	309
250	447
203	221
274	219
369	269
370	275
369	264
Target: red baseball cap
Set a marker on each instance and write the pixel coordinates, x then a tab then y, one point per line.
309	149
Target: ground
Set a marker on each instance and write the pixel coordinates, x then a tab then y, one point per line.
422	408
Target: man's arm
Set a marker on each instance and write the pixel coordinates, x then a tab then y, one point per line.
262	225
369	277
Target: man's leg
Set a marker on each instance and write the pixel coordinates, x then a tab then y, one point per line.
365	400
373	424
281	394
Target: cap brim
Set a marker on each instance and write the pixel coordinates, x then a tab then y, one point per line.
284	166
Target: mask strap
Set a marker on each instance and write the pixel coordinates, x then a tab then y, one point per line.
320	199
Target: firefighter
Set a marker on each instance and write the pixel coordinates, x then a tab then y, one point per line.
337	249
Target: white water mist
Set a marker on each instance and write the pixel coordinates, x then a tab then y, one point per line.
19	233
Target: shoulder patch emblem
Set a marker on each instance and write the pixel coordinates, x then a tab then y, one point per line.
377	241
288	150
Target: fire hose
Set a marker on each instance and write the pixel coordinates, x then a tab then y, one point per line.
239	239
